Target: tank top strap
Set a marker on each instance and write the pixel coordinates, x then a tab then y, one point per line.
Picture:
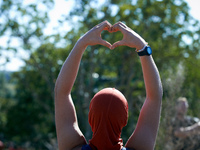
86	147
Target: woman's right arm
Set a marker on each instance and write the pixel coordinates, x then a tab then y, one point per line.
144	136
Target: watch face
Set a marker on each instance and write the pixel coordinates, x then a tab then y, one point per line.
149	51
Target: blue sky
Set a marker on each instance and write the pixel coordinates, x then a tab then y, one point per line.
59	9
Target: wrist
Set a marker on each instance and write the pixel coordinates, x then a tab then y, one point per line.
81	44
142	49
141	46
145	51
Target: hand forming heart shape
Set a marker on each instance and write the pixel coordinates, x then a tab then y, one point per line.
130	38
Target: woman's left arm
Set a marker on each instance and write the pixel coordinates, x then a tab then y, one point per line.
68	133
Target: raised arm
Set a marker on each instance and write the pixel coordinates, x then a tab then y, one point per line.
68	133
144	136
148	122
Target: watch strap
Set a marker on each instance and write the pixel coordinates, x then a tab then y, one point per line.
145	51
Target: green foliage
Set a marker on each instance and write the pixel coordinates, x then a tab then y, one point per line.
164	24
23	21
32	117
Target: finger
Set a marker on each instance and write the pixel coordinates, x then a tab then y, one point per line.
121	23
107	28
116	44
98	25
102	23
105	43
104	26
119	26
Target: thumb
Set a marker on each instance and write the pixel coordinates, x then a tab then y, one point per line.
105	43
116	44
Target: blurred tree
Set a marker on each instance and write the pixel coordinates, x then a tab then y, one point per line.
31	119
22	23
191	87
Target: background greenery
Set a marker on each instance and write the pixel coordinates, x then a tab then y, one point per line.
27	96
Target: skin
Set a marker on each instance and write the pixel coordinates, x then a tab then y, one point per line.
184	132
68	133
181	109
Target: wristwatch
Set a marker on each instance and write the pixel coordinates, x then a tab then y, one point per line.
146	52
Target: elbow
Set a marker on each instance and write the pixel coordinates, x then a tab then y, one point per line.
56	90
156	93
159	92
155	90
60	90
